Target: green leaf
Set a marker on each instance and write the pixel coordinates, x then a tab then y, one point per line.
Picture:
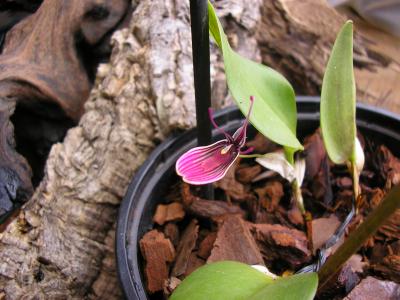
221	280
274	113
338	99
296	287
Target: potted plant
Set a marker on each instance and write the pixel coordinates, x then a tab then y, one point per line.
337	102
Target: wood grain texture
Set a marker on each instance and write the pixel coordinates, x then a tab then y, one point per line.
43	50
47	63
139	97
296	38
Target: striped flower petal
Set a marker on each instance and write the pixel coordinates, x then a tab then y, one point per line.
206	164
203	165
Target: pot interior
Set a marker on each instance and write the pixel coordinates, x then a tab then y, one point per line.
157	175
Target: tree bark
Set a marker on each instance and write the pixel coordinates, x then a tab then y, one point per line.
47	65
61	244
296	38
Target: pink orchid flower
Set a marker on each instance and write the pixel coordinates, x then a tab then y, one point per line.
206	164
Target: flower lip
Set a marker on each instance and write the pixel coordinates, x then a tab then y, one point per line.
206	164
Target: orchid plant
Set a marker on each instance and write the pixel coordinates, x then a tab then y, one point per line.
273	114
268	101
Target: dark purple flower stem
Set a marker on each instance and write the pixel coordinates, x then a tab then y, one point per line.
201	70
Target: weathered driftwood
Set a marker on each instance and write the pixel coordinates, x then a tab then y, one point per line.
61	244
44	51
13	11
47	64
137	100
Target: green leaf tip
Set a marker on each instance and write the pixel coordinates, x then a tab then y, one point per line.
338	99
274	114
296	287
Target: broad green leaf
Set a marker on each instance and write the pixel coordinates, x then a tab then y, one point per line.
274	113
296	287
221	280
338	99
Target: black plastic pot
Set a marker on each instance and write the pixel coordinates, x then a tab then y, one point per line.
158	172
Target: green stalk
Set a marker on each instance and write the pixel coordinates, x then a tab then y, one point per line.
296	188
289	154
359	236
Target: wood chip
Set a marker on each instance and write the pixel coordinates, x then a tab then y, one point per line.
295	216
168	212
233	188
388	165
395	247
315	154
389	267
157	252
320	185
317	168
356	263
391	228
259	214
194	262
206	245
261	144
344	182
375	198
340	284
207	208
247	174
270	194
278	242
235	242
372	288
389	231
171	231
210	208
185	248
323	229
170	285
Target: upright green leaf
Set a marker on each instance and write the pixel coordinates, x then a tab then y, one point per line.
220	281
274	113
296	287
338	100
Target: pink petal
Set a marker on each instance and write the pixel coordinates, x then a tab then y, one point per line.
202	165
